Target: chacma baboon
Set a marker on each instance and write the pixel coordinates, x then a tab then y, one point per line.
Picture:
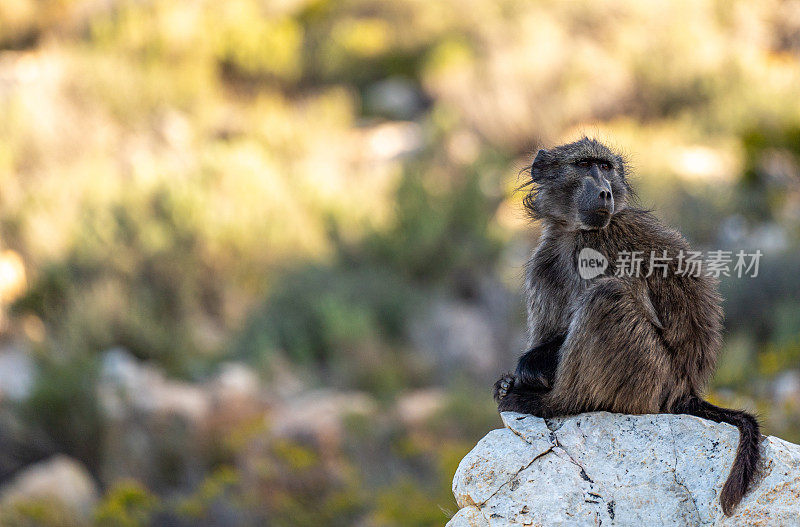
630	342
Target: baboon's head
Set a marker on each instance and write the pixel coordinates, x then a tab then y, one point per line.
579	185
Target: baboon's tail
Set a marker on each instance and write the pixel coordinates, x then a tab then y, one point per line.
747	454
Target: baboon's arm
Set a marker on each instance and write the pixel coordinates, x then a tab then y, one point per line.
537	367
613	358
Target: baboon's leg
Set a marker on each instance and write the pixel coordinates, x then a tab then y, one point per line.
538	366
513	396
535	372
613	357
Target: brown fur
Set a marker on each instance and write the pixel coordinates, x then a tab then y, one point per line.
629	344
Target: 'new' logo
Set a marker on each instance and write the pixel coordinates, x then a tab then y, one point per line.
591	263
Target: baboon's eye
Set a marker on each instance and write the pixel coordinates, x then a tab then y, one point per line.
583	163
605	166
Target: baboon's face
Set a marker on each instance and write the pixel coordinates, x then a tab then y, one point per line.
577	186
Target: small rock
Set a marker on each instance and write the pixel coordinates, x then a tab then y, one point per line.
235	382
395	97
17	373
236	398
786	388
468	517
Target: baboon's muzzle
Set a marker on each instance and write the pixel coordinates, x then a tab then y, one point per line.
596	204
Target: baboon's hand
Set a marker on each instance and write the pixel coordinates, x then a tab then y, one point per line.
503	385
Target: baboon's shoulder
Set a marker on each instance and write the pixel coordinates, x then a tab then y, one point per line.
638	229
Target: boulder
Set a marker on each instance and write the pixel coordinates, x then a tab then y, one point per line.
59	479
417	407
129	386
614	469
319	415
162	431
456	336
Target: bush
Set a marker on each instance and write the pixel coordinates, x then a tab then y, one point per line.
64	405
127	504
39	513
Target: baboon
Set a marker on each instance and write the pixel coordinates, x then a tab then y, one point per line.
637	341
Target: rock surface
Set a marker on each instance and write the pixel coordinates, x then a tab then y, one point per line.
613	469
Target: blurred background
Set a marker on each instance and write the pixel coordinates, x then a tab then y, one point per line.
261	260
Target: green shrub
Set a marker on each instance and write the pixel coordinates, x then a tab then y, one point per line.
127	504
64	405
39	513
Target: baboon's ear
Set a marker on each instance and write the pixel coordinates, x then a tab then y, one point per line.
539	163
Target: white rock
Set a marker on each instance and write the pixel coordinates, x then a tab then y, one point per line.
235	381
416	407
58	478
613	469
468	517
319	414
127	384
17	373
786	388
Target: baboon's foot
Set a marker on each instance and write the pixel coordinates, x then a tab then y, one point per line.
513	395
503	385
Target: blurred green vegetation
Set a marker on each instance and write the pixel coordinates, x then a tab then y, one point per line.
292	182
127	504
38	513
63	404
